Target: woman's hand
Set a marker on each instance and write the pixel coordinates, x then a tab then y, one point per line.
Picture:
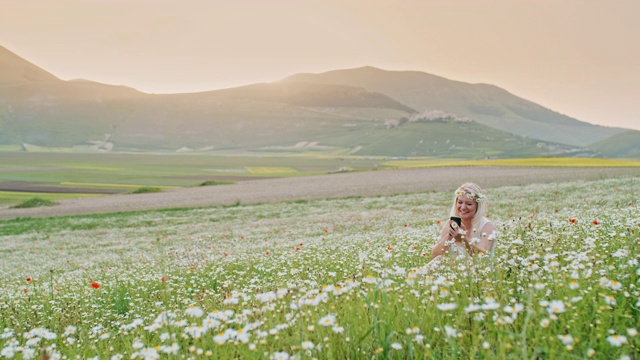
447	236
454	231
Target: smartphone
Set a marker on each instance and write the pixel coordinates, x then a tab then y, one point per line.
457	220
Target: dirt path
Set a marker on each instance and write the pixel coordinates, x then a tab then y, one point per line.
384	182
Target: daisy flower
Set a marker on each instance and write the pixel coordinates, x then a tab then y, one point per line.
328	320
337	329
556	307
617	340
451	332
513	310
447	306
194	311
280	355
566	339
610	300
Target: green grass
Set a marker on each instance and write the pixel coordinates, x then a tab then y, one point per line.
35	202
216	182
121	220
146	190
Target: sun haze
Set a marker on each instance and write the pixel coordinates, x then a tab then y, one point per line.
576	57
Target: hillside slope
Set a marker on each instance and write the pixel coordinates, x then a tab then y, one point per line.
623	145
483	103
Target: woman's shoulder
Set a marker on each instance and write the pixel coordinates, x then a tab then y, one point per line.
486	222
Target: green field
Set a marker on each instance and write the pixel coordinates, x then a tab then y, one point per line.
55	175
533	162
61	175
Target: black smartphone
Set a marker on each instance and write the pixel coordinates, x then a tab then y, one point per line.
457	220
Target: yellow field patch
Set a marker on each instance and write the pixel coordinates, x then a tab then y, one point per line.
70	183
264	170
15	197
542	162
89	167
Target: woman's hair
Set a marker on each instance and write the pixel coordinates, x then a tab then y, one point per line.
474	192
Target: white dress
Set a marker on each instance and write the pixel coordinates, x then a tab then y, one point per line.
456	251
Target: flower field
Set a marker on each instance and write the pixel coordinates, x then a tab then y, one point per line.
329	279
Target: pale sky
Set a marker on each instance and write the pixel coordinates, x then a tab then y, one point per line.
577	57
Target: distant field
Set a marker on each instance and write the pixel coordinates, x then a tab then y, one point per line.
24	175
543	162
266	170
15	197
67	175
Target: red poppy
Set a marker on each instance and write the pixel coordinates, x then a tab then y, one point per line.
28	279
95	285
596	222
572	220
389	248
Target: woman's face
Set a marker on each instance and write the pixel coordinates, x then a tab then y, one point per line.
466	207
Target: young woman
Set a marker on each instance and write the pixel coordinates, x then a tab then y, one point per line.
475	232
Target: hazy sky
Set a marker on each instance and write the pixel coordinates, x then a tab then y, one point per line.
578	57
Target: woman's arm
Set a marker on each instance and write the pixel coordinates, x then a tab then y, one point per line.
442	246
484	244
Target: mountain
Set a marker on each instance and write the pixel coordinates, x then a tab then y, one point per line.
14	70
364	111
487	104
623	145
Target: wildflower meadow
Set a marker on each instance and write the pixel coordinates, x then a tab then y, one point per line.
329	279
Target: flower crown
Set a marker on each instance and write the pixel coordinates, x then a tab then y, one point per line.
470	195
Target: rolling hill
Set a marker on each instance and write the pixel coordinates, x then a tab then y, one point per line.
486	104
364	111
623	145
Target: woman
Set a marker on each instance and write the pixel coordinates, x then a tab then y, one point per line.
475	233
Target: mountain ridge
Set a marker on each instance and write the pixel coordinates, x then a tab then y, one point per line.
14	69
349	104
485	103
